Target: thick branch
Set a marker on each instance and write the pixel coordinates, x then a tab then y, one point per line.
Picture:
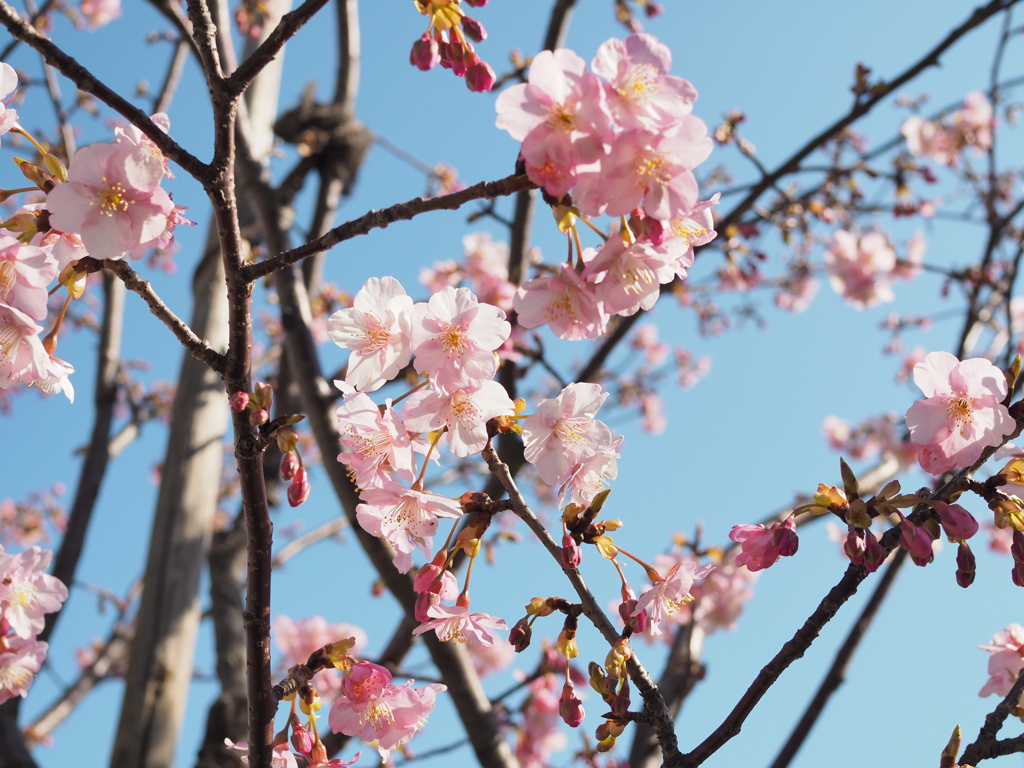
381	219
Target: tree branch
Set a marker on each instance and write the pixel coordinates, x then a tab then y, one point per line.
986	745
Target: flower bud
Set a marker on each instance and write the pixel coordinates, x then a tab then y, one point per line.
302	739
1017	574
917	540
854	547
857	515
572	556
238	401
289	465
620	704
287	438
520	634
424	54
539	606
784	537
473	29
966	565
570	708
318	754
259	417
874	552
480	77
956	521
298	491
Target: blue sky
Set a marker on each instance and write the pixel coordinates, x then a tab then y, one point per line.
739	445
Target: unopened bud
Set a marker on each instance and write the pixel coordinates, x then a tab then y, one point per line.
259	417
874	552
857	515
425	54
570	708
55	167
289	465
480	77
474	29
520	634
287	438
572	556
784	538
854	547
239	400
966	566
299	490
302	739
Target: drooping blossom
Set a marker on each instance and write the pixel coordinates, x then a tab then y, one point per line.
761	547
27	592
20	660
962	413
406	518
667	596
22	357
1006	661
564	432
455	622
378	712
378	443
566	303
640	92
25	273
377	330
560	116
112	199
454	337
464	412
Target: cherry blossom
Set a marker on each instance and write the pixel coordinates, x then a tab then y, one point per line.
463	412
406	518
627	277
566	303
667	596
298	639
20	660
378	442
962	413
860	270
1006	661
378	712
540	734
455	622
564	432
22	357
559	115
112	199
8	84
100	12
591	476
25	273
762	547
377	330
640	92
27	592
454	337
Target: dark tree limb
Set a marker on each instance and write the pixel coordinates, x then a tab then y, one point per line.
986	746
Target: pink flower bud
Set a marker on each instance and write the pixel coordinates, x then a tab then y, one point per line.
424	54
966	566
298	491
572	556
476	3
480	77
474	29
238	401
1017	547
289	465
520	634
957	522
654	9
424	601
917	541
457	54
1017	574
570	708
620	704
784	538
854	547
302	739
874	552
259	417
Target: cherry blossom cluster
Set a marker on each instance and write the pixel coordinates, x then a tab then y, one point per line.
943	141
449	40
624	146
365	702
1005	662
861	269
107	204
27	594
875	436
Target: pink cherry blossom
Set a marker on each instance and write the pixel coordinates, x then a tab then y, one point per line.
406	518
112	199
8	84
456	623
860	270
640	92
962	413
668	595
490	658
25	273
1006	661
464	412
559	115
27	592
298	639
454	337
928	138
97	13
541	735
54	378
566	303
377	330
378	443
591	476
376	711
130	134
564	432
20	660
655	168
22	357
761	547
627	277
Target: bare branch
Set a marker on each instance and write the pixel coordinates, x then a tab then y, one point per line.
985	745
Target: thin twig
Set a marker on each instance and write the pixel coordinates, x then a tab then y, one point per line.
984	745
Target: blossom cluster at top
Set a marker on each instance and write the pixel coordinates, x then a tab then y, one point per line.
449	40
27	594
107	204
